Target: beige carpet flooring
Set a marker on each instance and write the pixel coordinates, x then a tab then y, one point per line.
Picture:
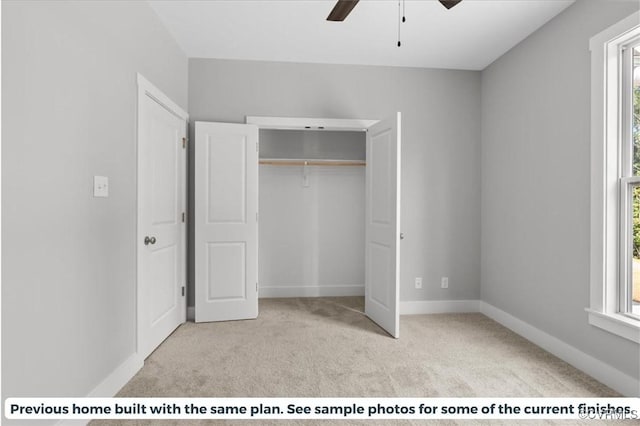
311	347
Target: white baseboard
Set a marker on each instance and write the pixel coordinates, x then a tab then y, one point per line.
118	378
308	291
110	386
438	307
604	373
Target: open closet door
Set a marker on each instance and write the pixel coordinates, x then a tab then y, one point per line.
226	221
382	250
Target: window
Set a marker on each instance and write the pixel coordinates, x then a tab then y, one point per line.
629	281
615	179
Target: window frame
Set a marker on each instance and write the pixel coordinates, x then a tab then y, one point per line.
611	179
627	181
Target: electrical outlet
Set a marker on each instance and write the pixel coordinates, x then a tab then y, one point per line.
444	283
100	186
418	282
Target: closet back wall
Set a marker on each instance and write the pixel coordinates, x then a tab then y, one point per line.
311	234
440	147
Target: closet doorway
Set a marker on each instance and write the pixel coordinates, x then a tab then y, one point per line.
294	154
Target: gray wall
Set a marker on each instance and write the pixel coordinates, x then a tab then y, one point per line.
440	146
68	113
313	144
535	181
311	238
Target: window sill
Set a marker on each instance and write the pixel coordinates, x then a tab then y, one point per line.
620	325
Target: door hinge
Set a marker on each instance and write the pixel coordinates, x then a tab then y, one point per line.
257	149
256	216
184	142
182	217
256	286
183	290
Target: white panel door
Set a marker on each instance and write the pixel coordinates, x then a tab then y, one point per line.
226	221
382	250
161	227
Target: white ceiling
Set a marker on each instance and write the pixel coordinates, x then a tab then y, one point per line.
470	36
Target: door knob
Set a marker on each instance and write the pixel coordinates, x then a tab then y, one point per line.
402	235
149	240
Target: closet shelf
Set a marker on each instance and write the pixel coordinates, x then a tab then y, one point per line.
309	162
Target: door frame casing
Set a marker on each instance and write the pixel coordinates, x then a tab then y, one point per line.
146	88
310	124
301	123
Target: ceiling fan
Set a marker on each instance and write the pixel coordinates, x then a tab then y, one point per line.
343	8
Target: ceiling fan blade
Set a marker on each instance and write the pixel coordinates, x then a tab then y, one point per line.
449	3
342	9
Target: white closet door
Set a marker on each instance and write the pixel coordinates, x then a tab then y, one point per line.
382	250
226	222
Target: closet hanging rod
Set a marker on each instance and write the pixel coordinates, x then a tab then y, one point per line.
296	162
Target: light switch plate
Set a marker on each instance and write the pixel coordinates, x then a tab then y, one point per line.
100	186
